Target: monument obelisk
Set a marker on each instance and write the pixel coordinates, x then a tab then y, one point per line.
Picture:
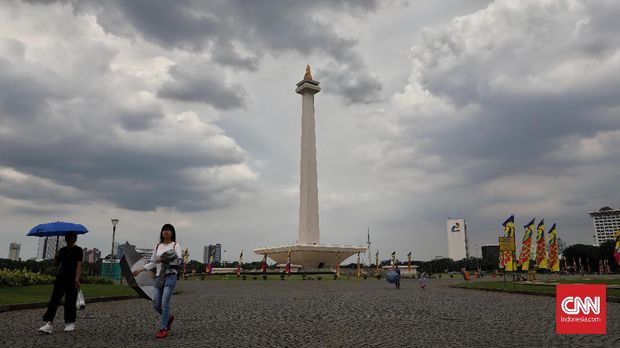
309	232
308	252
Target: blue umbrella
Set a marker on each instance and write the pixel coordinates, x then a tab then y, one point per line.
391	277
57	228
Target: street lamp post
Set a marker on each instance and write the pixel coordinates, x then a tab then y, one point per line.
114	222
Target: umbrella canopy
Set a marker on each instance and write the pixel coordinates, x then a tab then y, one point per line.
57	228
391	277
142	283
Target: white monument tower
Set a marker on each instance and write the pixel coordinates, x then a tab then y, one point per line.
308	252
308	187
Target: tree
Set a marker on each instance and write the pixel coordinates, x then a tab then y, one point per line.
607	253
588	254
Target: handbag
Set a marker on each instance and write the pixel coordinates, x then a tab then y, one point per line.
80	303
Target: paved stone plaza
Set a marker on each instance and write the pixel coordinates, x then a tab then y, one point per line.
316	313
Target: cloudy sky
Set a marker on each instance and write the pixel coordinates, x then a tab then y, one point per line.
185	112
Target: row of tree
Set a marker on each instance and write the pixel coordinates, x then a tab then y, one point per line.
588	254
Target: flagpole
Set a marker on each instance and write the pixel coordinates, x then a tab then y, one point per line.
369	252
377	262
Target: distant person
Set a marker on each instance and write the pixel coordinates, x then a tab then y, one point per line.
397	270
67	284
166	258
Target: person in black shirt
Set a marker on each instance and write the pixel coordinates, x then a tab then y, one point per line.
67	283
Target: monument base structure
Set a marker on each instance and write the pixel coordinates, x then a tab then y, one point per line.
310	256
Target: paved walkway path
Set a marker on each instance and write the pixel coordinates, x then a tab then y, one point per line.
316	313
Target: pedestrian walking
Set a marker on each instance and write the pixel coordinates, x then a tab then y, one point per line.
67	284
423	281
397	270
166	259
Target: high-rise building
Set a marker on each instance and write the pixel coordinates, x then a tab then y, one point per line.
606	222
146	253
48	247
91	255
458	247
115	250
14	251
217	253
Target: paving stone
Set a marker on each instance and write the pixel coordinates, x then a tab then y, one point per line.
318	313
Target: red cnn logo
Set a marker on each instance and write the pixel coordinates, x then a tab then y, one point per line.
581	309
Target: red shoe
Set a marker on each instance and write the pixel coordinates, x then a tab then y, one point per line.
170	320
162	333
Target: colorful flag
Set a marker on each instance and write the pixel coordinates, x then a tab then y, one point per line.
526	248
541	246
263	265
554	264
506	259
337	264
358	267
185	260
210	264
287	269
239	263
409	263
617	248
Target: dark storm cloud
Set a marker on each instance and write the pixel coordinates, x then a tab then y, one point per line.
225	29
23	92
202	84
88	134
533	87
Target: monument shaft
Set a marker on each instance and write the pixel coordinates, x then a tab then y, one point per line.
308	188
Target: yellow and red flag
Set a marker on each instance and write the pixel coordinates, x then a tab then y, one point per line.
617	248
526	248
210	264
541	246
505	258
337	264
554	260
287	269
263	265
409	263
239	263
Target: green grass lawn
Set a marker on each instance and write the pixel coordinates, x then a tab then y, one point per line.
41	293
614	281
508	286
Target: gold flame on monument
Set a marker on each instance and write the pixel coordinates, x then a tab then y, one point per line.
308	75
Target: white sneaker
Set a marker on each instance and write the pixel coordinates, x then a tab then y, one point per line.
70	327
47	328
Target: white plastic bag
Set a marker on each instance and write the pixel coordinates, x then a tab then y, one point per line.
80	303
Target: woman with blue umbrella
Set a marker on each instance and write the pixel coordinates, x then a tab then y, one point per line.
67	282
